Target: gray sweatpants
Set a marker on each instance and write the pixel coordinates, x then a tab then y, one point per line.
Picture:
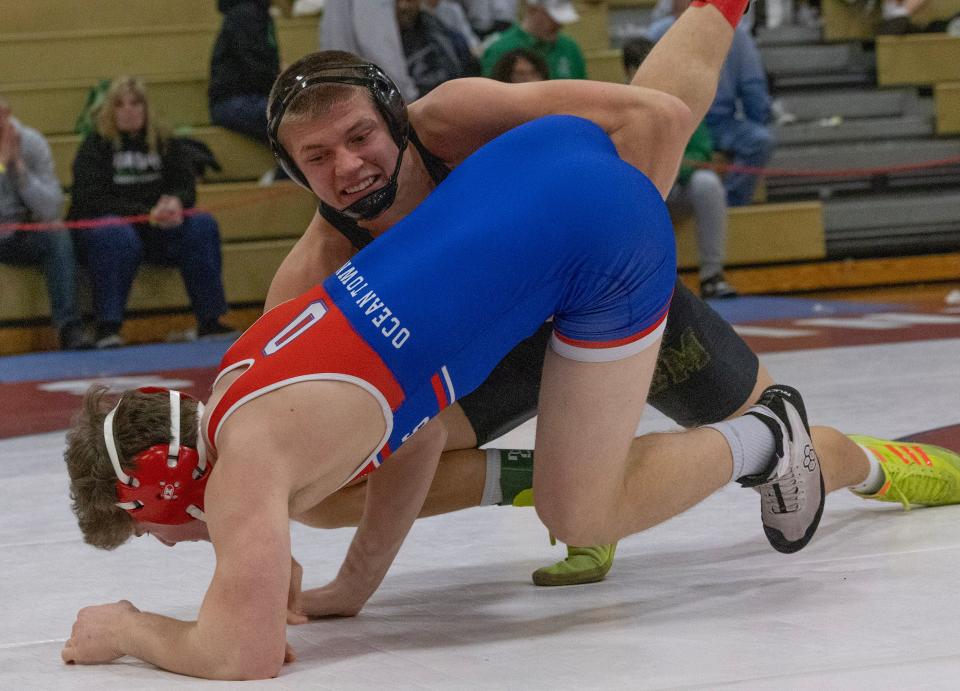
704	196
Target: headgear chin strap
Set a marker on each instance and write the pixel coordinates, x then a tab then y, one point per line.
169	481
389	101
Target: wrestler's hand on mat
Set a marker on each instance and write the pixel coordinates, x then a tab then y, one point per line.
94	638
335	599
295	613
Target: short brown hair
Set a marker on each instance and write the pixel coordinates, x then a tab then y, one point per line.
502	69
314	101
141	421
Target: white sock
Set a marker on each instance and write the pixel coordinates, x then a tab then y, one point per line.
750	442
492	493
875	476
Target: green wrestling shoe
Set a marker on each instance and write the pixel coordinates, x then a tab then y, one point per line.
582	565
920	474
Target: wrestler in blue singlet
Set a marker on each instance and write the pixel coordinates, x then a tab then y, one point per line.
544	220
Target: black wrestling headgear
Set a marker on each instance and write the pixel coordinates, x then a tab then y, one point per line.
389	102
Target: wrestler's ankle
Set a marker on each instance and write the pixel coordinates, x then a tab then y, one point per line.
732	10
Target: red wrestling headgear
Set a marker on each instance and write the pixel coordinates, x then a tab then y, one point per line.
168	483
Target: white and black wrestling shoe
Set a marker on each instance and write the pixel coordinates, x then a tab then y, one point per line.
791	487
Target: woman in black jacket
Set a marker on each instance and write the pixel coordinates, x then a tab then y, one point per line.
126	168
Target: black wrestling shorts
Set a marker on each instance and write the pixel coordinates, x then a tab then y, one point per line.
705	372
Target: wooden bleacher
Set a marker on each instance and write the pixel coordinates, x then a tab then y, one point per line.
797	227
52	107
843	21
918	59
148	51
947	97
258	226
241	157
169	44
820	276
592	34
65	48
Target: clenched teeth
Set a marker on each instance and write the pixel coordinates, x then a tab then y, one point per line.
361	186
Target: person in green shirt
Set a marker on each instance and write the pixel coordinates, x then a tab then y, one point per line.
539	31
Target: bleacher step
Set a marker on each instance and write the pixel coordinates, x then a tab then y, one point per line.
147	51
862	155
248	268
799	234
823	59
838	275
53	107
904	224
855	130
849	103
791	35
242	158
56	15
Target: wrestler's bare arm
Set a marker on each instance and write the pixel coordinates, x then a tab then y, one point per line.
650	128
394	496
319	252
240	632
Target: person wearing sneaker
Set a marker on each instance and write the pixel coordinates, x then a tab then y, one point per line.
30	193
128	167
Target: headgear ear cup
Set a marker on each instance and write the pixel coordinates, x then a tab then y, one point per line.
389	102
169	480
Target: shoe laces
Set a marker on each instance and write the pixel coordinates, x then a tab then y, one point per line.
789	493
918	481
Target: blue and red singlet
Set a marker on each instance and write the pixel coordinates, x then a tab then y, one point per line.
545	220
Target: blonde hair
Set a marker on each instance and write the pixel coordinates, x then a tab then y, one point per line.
106	122
141	421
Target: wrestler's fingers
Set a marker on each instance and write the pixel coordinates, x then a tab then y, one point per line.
68	654
296	618
289	655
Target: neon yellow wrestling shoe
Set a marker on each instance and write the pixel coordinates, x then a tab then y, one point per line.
920	474
582	565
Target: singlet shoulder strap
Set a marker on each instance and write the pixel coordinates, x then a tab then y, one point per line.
437	169
360	237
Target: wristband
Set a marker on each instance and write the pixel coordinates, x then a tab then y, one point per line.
732	10
3	169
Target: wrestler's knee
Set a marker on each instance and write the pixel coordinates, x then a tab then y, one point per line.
573	523
764	379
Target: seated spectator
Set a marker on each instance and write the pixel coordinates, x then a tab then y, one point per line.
30	192
368	28
740	115
519	66
434	53
698	191
490	16
245	62
539	31
128	168
451	13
